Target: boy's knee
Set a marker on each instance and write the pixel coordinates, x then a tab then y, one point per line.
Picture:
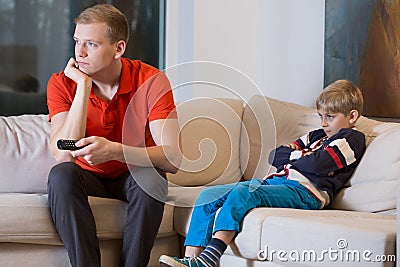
242	192
211	195
205	196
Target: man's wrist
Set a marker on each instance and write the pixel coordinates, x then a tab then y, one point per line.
118	152
85	81
84	86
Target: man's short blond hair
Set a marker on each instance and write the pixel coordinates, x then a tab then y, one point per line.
341	96
117	24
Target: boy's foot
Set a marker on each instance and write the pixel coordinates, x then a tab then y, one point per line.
167	261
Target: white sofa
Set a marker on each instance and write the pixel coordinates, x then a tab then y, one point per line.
224	140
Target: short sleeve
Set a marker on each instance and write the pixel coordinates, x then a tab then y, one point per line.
160	98
59	94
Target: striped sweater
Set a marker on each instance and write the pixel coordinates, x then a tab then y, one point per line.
329	166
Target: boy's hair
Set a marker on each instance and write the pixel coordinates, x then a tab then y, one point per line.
341	96
117	24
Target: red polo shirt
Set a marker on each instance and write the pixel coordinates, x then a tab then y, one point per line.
144	95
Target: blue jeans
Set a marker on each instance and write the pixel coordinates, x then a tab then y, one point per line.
234	201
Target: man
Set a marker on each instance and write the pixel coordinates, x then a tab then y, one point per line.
122	114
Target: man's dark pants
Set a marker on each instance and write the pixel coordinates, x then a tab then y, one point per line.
144	190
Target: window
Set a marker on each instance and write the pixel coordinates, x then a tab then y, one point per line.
37	37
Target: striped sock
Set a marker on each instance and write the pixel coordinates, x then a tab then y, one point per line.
213	252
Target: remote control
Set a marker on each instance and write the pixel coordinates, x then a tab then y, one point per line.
65	144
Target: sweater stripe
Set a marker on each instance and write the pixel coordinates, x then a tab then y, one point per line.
344	149
334	156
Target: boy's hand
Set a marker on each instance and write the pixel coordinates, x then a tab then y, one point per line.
307	153
292	146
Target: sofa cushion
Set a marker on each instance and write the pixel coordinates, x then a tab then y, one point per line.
357	241
183	196
294	229
269	123
210	131
33	255
25	218
304	229
25	157
373	185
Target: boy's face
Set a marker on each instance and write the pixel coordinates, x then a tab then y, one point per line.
93	51
332	122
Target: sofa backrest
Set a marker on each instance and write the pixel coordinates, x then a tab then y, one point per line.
221	142
210	132
270	123
373	185
25	158
210	143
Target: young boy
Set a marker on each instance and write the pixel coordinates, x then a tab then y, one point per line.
310	172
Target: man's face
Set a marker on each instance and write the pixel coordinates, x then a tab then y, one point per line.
93	51
332	122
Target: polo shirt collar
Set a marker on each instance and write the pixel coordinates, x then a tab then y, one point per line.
125	82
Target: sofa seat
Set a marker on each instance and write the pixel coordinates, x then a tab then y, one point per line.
26	229
25	218
280	229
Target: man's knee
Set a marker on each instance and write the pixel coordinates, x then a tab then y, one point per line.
62	177
144	201
147	184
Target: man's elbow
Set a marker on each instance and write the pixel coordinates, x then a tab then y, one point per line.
167	167
172	169
61	159
63	156
173	162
